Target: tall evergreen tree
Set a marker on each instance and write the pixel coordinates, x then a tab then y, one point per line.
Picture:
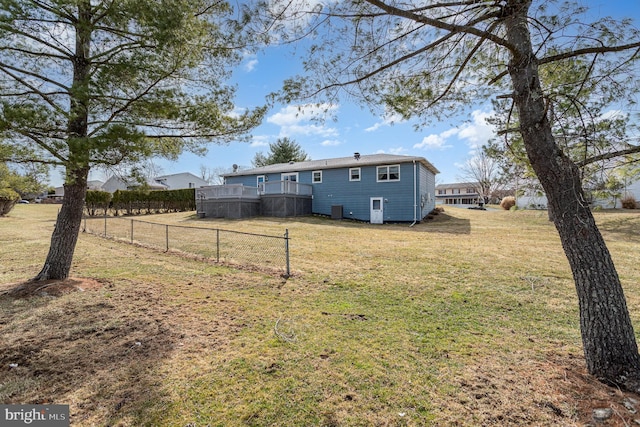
284	150
87	83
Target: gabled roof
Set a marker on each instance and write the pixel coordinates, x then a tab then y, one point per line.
336	163
457	185
189	174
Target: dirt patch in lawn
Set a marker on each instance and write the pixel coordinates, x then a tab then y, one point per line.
104	350
54	288
98	346
556	390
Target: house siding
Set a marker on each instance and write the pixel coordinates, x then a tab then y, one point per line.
405	200
181	181
354	196
426	192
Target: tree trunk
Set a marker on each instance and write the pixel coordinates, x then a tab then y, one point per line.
608	339
65	234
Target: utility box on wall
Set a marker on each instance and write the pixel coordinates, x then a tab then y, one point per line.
336	212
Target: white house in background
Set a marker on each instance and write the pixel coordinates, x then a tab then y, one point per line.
91	185
458	193
94	184
538	200
178	181
115	183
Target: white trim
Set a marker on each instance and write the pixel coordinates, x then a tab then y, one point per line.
359	174
286	175
313	176
376	216
260	183
388	173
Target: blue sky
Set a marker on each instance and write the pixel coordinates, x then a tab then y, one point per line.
447	145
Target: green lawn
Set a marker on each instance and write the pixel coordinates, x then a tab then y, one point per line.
469	319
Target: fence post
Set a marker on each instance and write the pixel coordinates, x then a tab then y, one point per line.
132	232
167	234
217	245
286	250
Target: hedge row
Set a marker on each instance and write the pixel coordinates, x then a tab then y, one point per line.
136	202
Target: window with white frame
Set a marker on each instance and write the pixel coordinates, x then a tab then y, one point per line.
316	177
354	174
388	173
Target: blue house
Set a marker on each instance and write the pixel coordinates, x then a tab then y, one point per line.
374	188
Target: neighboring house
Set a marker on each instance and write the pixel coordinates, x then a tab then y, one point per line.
94	184
176	181
538	200
58	194
181	180
459	193
59	191
116	183
532	200
374	188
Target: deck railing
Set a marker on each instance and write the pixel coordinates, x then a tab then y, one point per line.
236	191
240	191
287	187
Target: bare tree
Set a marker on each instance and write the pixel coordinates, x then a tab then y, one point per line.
431	59
484	172
213	175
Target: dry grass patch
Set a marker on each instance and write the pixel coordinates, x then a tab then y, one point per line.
468	319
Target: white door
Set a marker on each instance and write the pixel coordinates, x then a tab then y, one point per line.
260	183
289	183
377	204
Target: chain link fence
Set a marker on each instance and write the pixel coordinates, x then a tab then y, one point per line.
211	243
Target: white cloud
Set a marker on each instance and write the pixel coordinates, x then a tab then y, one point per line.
397	150
613	115
387	120
249	61
478	132
250	65
298	120
434	142
260	141
475	133
330	143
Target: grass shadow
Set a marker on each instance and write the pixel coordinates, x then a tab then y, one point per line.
445	223
621	227
94	353
442	223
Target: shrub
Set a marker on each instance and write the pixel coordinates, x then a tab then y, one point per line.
629	202
97	200
140	201
8	199
507	202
